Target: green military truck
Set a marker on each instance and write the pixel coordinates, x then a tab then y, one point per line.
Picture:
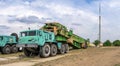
8	44
51	39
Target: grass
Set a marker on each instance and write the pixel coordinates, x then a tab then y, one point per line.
10	55
117	64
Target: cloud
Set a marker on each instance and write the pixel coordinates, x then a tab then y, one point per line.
76	24
4	27
64	12
80	15
28	20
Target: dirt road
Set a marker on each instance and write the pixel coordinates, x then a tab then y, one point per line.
89	57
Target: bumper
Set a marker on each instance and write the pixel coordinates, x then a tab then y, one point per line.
27	45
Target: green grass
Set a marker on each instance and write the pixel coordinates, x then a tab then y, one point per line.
117	64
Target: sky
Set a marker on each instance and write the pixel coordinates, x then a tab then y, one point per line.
79	15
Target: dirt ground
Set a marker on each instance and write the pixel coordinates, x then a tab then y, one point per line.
106	56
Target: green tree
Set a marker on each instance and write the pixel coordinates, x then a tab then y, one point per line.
116	43
107	43
96	42
88	40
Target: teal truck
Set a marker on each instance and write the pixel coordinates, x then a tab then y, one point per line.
51	39
42	43
8	44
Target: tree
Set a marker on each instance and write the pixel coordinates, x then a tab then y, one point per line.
88	41
96	42
116	43
107	43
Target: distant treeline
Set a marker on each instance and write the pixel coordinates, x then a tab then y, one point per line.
108	43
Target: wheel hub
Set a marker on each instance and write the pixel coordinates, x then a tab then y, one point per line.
46	50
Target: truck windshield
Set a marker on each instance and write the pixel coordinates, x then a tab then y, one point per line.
28	33
1	38
32	33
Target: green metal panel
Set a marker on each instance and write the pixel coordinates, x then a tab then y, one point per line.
60	38
78	39
77	45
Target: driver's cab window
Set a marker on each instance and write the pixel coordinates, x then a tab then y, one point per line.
24	34
32	33
40	33
1	38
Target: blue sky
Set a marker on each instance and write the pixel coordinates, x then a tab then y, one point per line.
80	15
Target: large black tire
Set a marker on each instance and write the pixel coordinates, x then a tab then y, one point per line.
16	36
62	50
66	48
27	52
14	49
6	49
45	50
53	51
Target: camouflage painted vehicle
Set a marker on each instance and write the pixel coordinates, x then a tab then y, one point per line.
63	34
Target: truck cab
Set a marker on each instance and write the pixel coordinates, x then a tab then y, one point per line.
7	44
35	38
36	42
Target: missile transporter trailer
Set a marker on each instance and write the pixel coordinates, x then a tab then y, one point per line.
8	44
51	39
63	34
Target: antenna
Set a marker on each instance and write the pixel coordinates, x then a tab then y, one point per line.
100	21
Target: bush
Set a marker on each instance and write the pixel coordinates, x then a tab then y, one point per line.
96	42
107	43
116	43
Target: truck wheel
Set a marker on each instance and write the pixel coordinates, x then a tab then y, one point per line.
6	50
27	52
84	45
45	50
66	48
62	50
14	49
53	51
